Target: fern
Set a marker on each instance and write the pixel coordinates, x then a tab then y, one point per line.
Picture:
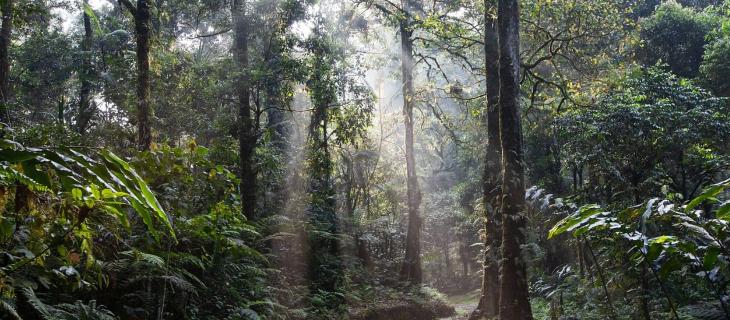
178	283
28	297
9	311
704	312
140	256
82	311
244	314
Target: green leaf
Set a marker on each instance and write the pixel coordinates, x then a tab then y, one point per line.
723	211
77	194
147	195
662	239
710	259
41	169
15	156
708	194
578	219
120	215
90	12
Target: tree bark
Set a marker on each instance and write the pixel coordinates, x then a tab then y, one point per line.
141	14
5	40
514	301
246	134
489	301
142	31
411	269
85	106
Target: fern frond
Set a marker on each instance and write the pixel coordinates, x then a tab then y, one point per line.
179	283
81	311
8	310
46	312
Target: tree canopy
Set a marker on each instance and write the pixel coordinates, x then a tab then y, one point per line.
364	159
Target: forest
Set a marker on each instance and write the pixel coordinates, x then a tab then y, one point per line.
365	159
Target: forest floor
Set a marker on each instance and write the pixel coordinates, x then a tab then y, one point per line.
464	304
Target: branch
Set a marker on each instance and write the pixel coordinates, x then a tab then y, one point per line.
212	34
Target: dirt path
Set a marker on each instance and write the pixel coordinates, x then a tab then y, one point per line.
464	304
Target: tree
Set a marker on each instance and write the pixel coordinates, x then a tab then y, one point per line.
85	104
489	300
246	131
654	132
141	15
514	301
403	16
411	269
715	70
6	31
278	71
676	36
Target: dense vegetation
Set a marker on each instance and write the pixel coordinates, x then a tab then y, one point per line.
364	159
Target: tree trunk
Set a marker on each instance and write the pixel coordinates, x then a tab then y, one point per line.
489	301
85	106
514	302
142	31
5	40
411	269
246	136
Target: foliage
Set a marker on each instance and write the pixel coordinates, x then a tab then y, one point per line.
676	35
62	199
653	132
89	184
714	70
615	102
673	241
215	263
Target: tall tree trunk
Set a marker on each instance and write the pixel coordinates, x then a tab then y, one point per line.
246	134
514	302
5	39
85	106
411	269
142	31
489	301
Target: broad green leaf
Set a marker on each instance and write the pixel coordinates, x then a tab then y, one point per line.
76	194
580	217
708	194
90	12
108	179
710	258
662	239
15	156
147	194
